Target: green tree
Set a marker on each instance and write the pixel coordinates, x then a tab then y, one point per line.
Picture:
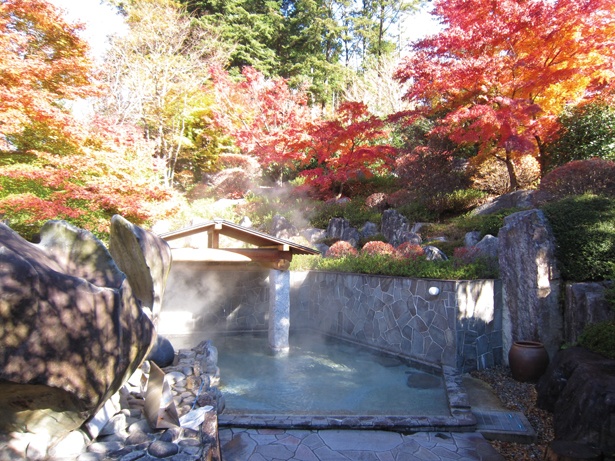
376	21
251	26
311	47
587	130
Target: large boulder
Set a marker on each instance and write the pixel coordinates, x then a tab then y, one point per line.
579	389
397	230
145	259
530	281
516	199
584	304
72	330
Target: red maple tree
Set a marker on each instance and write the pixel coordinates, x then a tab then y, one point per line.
265	117
353	145
500	72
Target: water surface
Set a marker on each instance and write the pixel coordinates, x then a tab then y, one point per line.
322	377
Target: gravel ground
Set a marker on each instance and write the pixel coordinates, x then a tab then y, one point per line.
517	396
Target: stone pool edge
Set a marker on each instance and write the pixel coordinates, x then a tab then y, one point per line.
461	418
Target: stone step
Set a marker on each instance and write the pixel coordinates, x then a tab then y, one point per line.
505	426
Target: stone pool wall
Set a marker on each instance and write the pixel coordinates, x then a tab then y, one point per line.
460	326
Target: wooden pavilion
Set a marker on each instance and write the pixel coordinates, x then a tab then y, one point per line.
263	249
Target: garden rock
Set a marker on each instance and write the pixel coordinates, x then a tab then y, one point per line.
313	235
283	228
434	254
245	222
530	280
471	238
71	330
352	236
145	258
517	199
394	227
336	228
488	247
579	389
162	353
322	248
585	303
368	230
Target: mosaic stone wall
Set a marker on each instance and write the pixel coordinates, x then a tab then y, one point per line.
459	326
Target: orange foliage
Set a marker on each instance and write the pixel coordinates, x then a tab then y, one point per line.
43	63
503	70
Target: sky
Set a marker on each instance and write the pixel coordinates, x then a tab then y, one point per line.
101	21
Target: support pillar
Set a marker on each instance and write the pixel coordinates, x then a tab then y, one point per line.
279	310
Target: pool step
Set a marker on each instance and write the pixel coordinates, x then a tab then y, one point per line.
505	426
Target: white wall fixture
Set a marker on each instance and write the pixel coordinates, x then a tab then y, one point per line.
434	291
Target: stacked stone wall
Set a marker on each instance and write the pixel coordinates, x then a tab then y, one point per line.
447	322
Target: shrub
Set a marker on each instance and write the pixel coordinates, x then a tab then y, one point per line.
584	230
377	200
341	249
491	174
416	211
485	224
409	250
587	130
232	183
600	338
354	211
455	202
465	255
378	248
419	268
430	171
243	162
579	177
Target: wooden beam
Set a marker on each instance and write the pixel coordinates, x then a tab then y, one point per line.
213	239
233	255
262	254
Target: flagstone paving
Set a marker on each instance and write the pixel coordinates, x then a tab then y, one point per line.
240	444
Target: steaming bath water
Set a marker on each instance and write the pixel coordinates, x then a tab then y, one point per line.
322	378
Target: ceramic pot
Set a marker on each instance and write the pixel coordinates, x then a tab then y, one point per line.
528	360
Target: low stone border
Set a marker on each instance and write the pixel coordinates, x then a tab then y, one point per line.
461	418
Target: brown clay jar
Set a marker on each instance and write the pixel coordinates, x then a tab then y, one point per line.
528	360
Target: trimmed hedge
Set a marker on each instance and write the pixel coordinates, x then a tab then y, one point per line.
584	230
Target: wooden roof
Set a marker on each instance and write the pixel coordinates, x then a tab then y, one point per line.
271	251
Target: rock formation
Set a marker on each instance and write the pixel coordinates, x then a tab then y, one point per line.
579	388
72	328
530	281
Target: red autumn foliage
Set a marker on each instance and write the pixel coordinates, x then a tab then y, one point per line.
264	116
580	176
465	255
43	64
503	70
351	146
408	250
376	248
429	172
341	249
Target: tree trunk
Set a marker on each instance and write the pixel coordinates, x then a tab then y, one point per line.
512	174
